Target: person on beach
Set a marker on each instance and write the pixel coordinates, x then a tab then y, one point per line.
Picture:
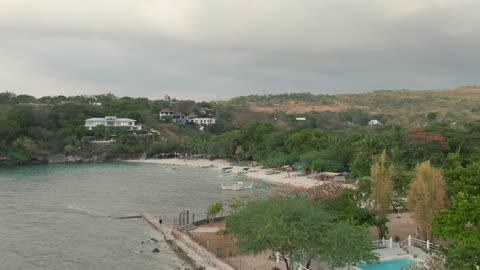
289	169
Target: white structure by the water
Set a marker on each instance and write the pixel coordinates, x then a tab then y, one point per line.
112	122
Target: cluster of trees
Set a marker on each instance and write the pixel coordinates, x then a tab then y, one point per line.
350	149
460	222
298	223
301	229
31	127
389	162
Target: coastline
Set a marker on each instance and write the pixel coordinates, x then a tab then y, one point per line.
280	178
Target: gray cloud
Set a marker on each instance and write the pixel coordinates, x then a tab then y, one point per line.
218	49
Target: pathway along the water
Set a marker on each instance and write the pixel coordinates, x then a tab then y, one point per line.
61	216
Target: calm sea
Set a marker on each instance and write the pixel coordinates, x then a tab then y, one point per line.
59	216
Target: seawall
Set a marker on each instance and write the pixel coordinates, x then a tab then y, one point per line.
189	250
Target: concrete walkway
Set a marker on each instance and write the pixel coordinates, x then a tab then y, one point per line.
196	253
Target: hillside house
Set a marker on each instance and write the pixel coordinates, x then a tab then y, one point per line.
202	121
112	123
207	111
328	176
179	118
300	119
166	112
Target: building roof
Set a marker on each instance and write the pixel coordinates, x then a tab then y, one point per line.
104	119
203	118
331	174
167	110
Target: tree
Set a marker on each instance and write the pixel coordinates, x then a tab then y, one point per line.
100	131
426	196
200	143
381	196
335	252
213	210
22	115
462	179
432	116
291	226
236	203
81	131
461	224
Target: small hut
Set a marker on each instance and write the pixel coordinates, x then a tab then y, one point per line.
328	176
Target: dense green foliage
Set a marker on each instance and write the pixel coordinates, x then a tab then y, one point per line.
437	126
31	127
300	231
461	221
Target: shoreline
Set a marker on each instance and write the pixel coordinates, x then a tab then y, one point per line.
280	178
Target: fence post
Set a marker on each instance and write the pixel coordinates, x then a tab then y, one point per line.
409	240
428	244
277	257
390	245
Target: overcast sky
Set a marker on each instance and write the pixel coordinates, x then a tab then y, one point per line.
217	49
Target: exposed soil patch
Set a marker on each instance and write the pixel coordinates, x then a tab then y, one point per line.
223	246
295	107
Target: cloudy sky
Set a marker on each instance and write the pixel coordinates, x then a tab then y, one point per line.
217	49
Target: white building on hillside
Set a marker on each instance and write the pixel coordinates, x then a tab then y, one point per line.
204	121
166	112
112	122
179	118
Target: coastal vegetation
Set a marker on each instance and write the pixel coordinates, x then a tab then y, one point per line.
299	231
423	157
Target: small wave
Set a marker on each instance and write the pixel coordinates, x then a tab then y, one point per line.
85	210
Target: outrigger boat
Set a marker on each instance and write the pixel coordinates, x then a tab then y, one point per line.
238	186
227	169
207	166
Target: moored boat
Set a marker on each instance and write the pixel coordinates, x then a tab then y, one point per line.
227	169
238	186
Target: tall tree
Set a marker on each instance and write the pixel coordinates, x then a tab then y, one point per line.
293	227
381	174
460	223
426	196
299	231
343	235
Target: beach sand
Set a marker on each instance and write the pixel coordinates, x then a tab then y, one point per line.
218	164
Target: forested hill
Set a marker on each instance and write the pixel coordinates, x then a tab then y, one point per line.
398	106
54	125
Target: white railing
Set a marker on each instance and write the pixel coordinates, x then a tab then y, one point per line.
408	242
424	245
382	243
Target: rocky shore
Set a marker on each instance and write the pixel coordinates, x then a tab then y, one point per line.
5	162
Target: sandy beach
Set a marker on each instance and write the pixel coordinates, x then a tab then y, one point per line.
218	164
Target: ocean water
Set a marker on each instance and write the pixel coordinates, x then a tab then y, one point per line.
59	216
